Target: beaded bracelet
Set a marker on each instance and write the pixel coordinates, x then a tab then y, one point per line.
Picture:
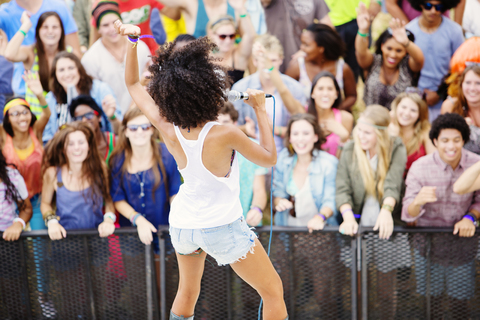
134	39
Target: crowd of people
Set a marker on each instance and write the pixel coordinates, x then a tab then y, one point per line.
77	153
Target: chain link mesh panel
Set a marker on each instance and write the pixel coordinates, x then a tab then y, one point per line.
315	269
80	277
420	276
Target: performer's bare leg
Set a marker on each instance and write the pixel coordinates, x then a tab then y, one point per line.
257	270
191	271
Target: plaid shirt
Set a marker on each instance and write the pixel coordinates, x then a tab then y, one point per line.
450	207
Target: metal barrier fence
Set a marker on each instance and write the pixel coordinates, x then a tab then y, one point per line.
417	274
318	272
80	277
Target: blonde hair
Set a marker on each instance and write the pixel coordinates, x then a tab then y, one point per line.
379	117
270	43
421	126
223	20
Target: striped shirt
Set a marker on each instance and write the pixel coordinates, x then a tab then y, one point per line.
8	209
450	207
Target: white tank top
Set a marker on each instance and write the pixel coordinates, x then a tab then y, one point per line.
204	200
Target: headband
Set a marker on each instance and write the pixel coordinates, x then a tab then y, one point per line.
15	102
222	19
103	8
373	125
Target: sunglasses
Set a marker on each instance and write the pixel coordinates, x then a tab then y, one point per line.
414	90
15	114
88	116
409	34
428	6
224	36
134	127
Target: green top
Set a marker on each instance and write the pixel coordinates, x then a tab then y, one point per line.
349	182
343	11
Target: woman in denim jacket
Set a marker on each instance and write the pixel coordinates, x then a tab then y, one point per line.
304	179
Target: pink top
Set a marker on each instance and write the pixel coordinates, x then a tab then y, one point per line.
333	140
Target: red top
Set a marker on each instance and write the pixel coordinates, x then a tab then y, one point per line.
414	157
30	168
138	12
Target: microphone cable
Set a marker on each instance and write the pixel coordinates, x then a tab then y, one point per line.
271	205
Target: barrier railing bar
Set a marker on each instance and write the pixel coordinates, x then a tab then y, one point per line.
88	277
163	291
148	276
229	292
354	279
427	292
364	280
25	279
79	232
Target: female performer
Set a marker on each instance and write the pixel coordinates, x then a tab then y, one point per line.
185	94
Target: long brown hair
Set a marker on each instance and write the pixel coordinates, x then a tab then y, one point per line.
373	183
84	84
123	146
455	90
94	170
43	70
421	126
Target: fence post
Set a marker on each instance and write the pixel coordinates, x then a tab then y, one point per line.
163	291
364	277
148	273
25	278
89	277
427	290
292	274
353	269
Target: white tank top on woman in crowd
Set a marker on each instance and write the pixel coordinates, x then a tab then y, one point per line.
204	200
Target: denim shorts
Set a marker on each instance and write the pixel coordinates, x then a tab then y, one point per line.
227	244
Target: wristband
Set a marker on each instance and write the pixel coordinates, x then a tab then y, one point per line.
363	35
45	106
134	39
379	2
256	208
472	218
134	219
110	215
22	32
387	207
50	215
322	216
356	216
18	219
269	70
113	117
243	15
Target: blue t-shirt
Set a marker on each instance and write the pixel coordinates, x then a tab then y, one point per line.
6	72
438	48
155	208
10	14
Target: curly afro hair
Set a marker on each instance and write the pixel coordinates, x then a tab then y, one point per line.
447	4
187	84
450	121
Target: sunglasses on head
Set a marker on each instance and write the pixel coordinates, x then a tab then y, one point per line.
428	6
224	36
134	127
88	116
409	34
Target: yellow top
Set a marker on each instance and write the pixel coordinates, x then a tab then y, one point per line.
25	153
173	28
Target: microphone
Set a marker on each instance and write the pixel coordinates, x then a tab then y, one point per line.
235	96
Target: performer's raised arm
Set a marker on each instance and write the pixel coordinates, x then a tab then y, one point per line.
138	93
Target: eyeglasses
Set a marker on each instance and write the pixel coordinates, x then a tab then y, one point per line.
224	36
134	127
15	114
88	116
428	6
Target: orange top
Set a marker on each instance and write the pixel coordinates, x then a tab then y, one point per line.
31	167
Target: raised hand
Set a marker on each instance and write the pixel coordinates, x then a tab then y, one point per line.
426	195
399	33
363	18
32	79
238	5
126	29
109	105
25	20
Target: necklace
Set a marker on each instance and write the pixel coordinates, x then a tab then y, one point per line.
142	194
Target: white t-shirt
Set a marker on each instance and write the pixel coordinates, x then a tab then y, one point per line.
100	64
471	17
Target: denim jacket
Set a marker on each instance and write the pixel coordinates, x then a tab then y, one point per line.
322	174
